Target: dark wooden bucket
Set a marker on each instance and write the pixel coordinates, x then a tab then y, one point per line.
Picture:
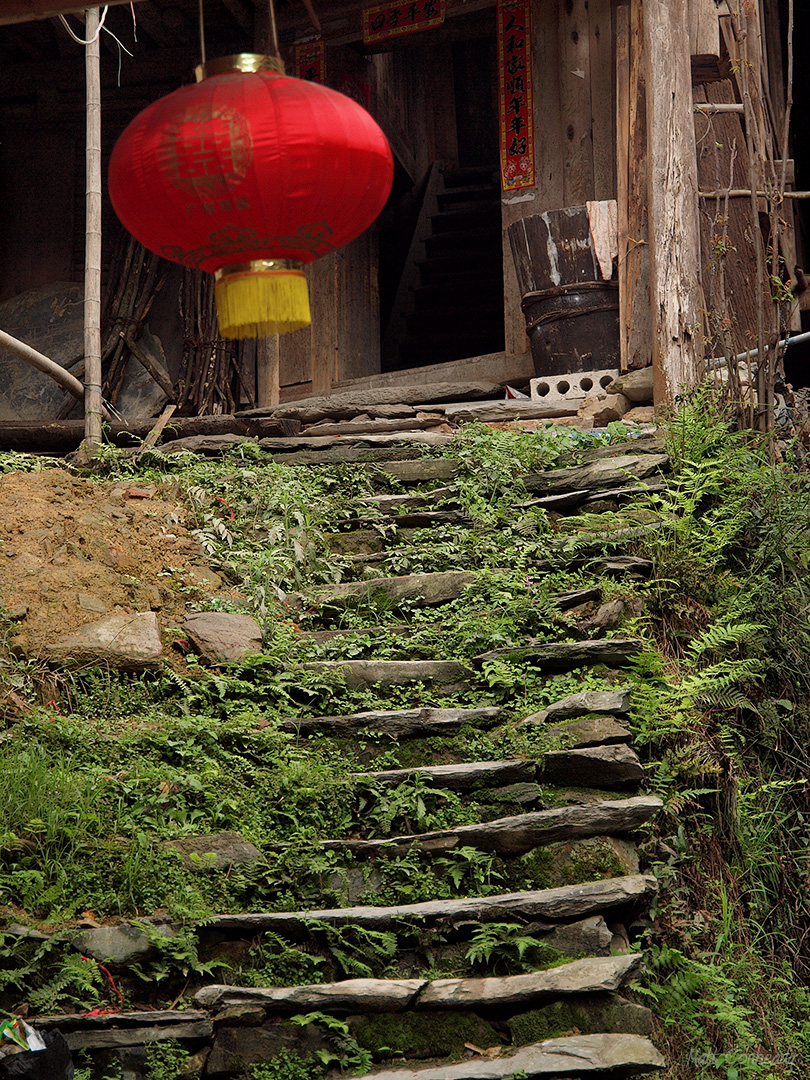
572	315
574	327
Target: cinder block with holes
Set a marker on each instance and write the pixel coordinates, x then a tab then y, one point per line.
571	389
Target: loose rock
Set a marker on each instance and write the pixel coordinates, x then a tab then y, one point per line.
129	642
222	637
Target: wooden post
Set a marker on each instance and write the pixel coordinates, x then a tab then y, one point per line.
677	336
267	371
634	249
92	251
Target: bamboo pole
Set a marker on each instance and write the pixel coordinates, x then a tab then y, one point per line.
42	363
92	257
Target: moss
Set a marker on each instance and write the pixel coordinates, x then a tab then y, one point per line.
423	1036
565	864
591	1014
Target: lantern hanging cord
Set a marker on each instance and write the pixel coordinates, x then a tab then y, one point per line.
95	37
202	34
273	27
100	27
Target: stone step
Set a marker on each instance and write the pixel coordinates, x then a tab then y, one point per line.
345	404
420	498
516	834
420	470
395	723
564	655
595	766
557	905
576	1056
451	675
591	731
593	975
585	497
602	766
422	590
330	442
84	1031
462	777
610	702
604	473
371	426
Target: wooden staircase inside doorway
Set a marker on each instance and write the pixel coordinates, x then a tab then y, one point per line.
449	304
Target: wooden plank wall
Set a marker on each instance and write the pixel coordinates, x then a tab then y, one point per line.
573	58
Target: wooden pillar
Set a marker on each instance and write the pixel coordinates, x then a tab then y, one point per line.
92	253
631	156
677	337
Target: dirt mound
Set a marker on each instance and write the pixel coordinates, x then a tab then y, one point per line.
73	551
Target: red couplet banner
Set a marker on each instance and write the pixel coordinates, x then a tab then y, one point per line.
310	61
515	80
390	20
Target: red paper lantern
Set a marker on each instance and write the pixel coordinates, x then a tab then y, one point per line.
249	175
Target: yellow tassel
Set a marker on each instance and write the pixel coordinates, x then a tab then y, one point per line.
261	303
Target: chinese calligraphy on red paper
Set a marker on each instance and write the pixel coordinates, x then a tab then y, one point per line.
390	20
515	80
310	61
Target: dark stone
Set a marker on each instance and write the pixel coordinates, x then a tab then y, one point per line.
589	1014
227	848
236	1048
421	1036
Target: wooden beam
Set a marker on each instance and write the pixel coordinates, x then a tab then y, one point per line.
634	250
17	11
677	336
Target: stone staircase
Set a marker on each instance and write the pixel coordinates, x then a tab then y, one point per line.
556	828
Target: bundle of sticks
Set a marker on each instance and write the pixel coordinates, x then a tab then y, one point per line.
211	381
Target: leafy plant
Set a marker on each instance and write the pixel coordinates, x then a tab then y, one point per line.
345	1053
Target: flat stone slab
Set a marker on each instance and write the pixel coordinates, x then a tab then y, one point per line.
128	642
343	405
420	470
612	702
564	655
223	637
398	723
421	498
349	996
590	731
360	674
593	766
463	777
603	473
575	1056
594	975
631	566
422	589
127	1029
331	442
565	902
522	832
371	426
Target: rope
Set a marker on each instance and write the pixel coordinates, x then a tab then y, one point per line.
88	41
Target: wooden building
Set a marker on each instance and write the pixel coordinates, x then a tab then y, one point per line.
646	102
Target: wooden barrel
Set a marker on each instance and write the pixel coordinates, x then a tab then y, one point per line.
572	313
